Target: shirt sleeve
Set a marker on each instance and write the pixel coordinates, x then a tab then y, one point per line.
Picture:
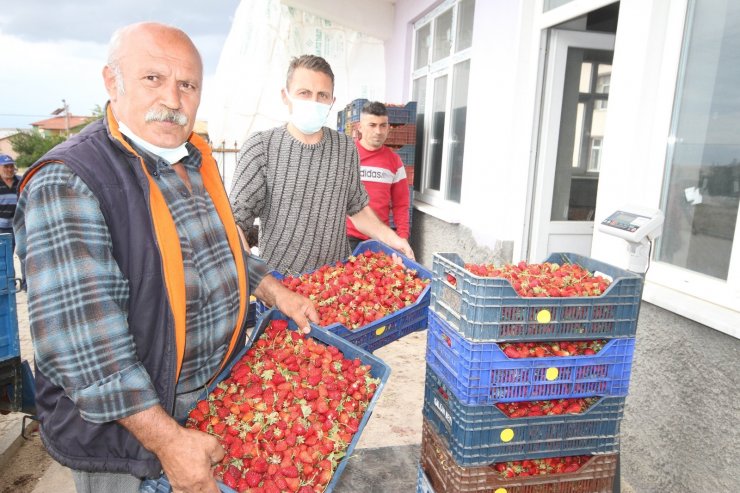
256	269
400	199
358	197
249	191
78	298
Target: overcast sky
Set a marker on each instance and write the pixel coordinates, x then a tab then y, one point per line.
55	49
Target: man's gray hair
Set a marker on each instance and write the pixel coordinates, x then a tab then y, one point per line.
114	48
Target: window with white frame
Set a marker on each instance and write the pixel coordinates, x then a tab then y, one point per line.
440	75
701	192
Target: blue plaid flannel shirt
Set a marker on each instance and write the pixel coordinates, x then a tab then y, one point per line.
78	297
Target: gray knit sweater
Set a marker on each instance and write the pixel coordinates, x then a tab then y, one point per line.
302	195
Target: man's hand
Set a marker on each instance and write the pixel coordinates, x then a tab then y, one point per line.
188	462
297	307
368	224
186	455
402	245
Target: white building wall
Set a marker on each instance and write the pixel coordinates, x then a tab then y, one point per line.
501	104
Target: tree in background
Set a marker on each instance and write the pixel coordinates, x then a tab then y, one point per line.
30	146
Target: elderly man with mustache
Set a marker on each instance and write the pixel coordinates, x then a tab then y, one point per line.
138	284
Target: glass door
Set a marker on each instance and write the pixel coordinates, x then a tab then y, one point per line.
575	106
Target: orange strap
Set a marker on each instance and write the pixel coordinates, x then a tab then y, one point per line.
169	247
215	188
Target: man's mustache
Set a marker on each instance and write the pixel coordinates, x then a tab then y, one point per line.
166	115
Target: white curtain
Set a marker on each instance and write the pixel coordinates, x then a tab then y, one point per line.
264	36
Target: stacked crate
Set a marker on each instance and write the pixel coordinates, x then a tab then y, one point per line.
10	349
468	374
401	137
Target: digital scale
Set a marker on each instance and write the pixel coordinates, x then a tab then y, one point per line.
638	226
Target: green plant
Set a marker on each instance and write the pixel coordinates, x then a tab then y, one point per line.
30	146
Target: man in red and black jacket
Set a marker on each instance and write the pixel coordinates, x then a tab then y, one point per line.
382	173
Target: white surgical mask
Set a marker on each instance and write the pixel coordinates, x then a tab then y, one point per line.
308	116
172	156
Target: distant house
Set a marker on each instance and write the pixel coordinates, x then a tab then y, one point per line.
61	125
5	145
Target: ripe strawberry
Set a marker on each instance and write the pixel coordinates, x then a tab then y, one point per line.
259	464
252	478
203	407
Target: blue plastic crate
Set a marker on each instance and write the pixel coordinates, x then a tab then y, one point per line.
445	475
479	435
354	108
401	114
9	341
341	121
252	314
7	269
488	308
479	373
422	482
407	154
391	327
378	369
397	114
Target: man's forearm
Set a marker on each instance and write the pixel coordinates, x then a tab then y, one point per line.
368	224
267	290
153	427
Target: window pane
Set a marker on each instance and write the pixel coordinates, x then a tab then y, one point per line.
551	4
582	126
436	137
442	36
701	193
460	77
419	94
421	58
465	12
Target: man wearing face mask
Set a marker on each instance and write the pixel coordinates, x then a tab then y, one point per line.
303	179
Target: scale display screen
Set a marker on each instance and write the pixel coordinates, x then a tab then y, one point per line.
633	223
626	221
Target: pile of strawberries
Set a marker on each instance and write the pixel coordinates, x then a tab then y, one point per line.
535	467
546	408
286	414
543	280
517	350
367	287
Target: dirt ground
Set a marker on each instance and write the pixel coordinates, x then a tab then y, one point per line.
22	472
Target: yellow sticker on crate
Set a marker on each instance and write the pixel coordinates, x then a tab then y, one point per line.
507	435
500	490
544	317
379	330
551	374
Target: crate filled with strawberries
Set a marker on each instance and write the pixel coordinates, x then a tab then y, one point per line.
568	296
369	300
479	435
289	410
586	473
484	373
